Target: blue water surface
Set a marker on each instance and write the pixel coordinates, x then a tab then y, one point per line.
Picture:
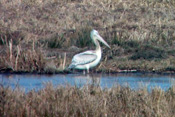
135	81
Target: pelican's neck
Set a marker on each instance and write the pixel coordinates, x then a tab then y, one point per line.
98	48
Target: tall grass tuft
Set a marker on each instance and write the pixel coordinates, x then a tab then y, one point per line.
81	38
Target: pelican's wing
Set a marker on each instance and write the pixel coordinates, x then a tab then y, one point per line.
83	58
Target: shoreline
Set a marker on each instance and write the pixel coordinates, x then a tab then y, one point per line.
92	72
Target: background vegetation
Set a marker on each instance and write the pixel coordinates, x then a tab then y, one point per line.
43	35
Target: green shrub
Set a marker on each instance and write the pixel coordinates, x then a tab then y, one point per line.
149	52
128	45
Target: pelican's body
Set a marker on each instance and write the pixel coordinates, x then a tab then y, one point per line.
91	58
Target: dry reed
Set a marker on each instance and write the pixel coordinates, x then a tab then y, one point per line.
87	101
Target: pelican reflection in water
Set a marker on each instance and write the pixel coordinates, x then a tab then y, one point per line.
90	58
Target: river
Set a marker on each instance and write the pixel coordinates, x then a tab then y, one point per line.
133	80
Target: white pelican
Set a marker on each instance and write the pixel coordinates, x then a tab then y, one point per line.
90	58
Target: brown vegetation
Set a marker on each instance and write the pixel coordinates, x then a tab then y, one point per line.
36	34
87	101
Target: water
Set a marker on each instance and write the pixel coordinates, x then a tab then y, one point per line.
133	80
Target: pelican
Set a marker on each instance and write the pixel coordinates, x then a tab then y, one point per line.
90	58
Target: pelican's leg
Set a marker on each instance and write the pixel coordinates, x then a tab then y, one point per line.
84	72
87	67
88	71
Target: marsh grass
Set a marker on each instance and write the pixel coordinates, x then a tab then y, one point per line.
15	37
130	27
87	101
17	59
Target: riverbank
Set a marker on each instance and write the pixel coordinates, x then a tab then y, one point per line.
42	36
86	101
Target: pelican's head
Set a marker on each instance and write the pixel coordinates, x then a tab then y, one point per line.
95	36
